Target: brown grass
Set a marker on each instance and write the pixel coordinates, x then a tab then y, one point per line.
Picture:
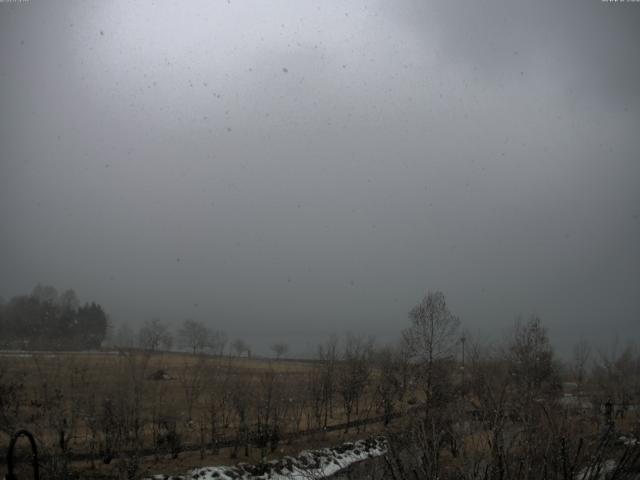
70	389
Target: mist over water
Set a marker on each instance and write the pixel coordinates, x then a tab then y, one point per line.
284	171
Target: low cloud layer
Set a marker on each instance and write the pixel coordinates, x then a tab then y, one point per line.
294	169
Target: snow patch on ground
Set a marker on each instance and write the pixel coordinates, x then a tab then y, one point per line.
311	464
597	472
628	441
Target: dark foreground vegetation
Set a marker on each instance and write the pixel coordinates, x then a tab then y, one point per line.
449	407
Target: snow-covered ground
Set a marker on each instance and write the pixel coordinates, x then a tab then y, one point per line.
603	470
597	472
310	464
627	441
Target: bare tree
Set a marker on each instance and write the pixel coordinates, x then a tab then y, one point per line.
490	385
192	376
431	339
298	401
270	408
531	360
45	293
218	402
240	346
388	383
68	299
195	336
218	342
124	337
241	401
279	349
328	358
580	358
315	395
353	374
154	334
121	419
617	373
13	398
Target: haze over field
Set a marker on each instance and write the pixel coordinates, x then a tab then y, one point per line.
285	170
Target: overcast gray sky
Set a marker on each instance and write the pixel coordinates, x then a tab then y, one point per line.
292	168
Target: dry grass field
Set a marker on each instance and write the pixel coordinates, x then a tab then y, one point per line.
105	413
132	413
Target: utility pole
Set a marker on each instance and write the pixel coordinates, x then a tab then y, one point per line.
463	339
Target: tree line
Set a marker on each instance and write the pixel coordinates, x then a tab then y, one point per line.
452	407
46	319
191	336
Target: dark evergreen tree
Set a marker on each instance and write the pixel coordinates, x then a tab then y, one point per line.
46	320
